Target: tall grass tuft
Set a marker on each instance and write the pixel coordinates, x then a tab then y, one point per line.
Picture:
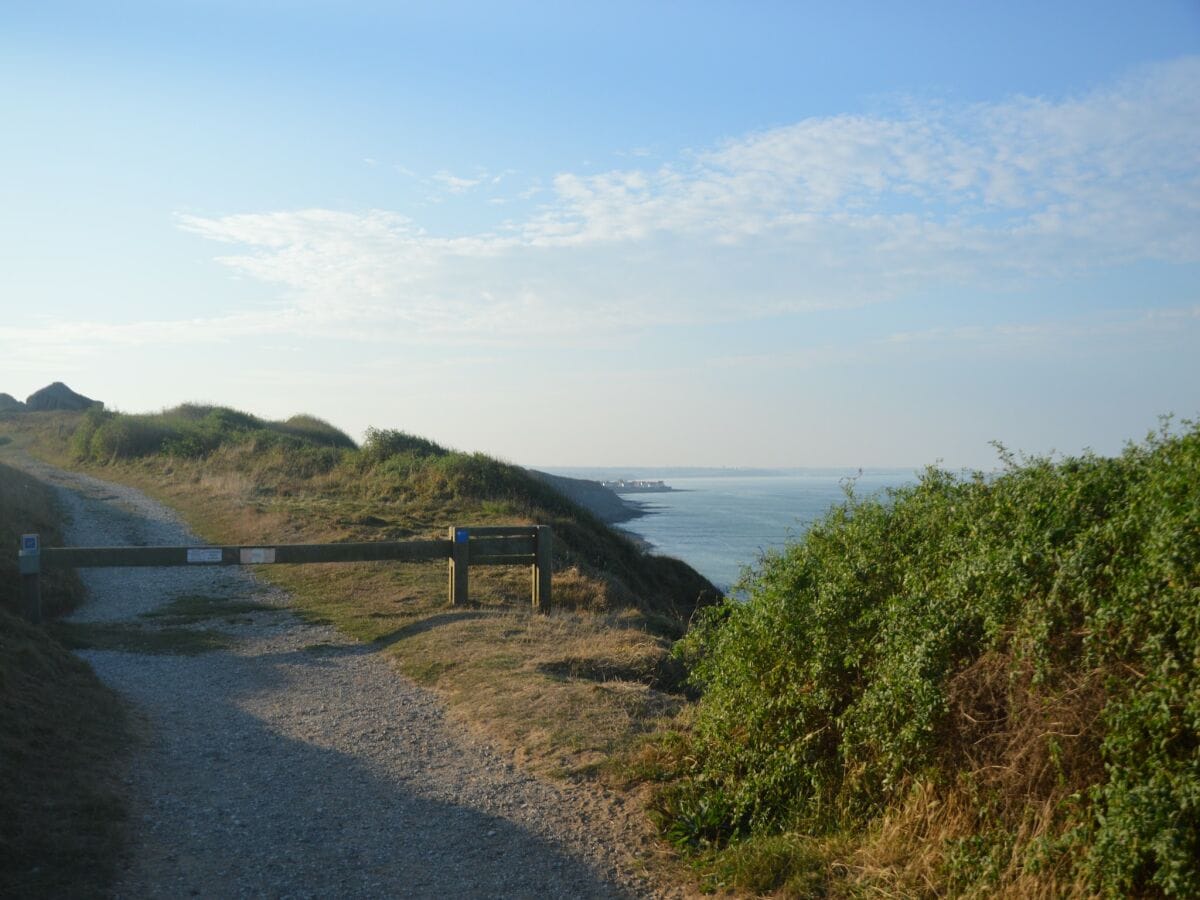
193	431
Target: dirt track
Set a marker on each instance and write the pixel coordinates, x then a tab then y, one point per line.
297	763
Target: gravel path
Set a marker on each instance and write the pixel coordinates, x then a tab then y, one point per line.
298	763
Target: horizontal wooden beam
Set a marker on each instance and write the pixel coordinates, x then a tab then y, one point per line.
486	545
373	551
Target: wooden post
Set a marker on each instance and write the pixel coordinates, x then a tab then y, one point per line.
459	562
542	566
30	568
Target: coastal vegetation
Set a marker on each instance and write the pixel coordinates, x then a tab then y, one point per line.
396	485
62	732
975	685
564	691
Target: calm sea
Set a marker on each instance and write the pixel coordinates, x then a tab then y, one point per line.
720	521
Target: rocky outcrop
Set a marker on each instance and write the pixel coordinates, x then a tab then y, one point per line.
9	403
58	396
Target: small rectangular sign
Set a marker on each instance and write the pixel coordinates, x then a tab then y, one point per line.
255	555
204	554
461	535
29	543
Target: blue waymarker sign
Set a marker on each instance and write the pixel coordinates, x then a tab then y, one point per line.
461	535
29	543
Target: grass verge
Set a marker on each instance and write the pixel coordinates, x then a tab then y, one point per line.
62	733
192	608
134	639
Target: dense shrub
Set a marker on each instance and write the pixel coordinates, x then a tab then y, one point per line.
193	431
316	431
383	443
1024	642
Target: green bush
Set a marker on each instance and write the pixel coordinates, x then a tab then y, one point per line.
81	438
315	431
850	671
384	443
126	437
193	431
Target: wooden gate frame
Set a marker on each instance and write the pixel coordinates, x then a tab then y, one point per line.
465	546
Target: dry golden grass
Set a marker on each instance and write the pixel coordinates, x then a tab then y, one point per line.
1022	753
562	691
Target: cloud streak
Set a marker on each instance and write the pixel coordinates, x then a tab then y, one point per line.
834	212
831	212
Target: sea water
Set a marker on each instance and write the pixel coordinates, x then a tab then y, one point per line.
720	522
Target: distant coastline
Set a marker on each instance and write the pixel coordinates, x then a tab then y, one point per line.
637	486
720	522
601	501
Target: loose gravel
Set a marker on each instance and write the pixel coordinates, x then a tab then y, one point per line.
298	763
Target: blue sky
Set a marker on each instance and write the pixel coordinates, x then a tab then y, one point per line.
566	234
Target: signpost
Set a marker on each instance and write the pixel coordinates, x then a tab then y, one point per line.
29	565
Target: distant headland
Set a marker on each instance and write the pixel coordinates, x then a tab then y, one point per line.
637	486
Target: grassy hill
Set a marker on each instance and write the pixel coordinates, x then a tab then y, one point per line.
564	691
977	686
396	485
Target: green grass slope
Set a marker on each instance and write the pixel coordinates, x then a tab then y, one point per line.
61	732
977	686
395	485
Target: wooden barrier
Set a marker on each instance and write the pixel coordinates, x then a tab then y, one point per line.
530	545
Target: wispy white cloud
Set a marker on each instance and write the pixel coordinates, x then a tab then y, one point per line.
829	212
835	211
456	184
1116	171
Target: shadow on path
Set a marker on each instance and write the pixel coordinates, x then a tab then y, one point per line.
230	805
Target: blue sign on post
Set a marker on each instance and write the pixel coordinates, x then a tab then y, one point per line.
461	535
29	562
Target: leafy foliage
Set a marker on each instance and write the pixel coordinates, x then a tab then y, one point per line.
384	443
1029	644
193	431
